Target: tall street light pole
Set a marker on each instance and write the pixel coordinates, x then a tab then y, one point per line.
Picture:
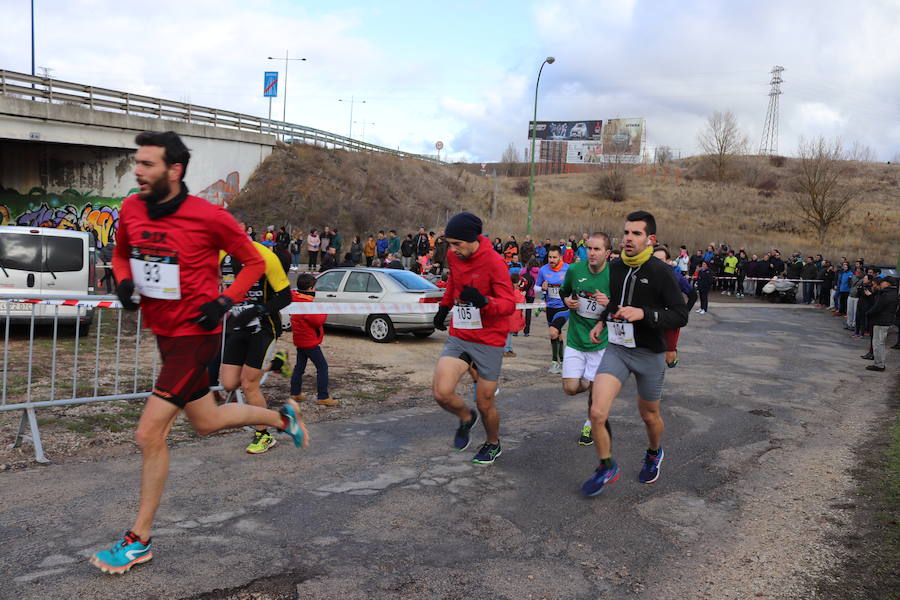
286	59
352	101
547	61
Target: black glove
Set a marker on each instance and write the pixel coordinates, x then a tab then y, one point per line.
470	294
440	317
212	312
124	291
247	315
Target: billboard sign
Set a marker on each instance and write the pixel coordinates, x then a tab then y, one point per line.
584	152
567	130
623	140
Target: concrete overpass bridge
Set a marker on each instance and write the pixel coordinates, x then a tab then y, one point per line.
66	149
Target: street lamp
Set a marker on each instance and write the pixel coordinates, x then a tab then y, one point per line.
352	101
285	59
364	123
547	61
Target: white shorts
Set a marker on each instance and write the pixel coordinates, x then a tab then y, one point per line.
581	365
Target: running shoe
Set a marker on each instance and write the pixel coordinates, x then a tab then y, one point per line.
124	554
461	439
552	369
650	472
868	356
586	439
672	364
295	427
594	485
487	454
261	442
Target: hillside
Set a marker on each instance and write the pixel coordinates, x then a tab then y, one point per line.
306	187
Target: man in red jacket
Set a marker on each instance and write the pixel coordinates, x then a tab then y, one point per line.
167	250
308	332
481	297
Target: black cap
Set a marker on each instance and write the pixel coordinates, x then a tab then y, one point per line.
465	226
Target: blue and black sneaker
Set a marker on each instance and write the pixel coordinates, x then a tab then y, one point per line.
124	554
461	439
294	426
487	454
602	476
650	472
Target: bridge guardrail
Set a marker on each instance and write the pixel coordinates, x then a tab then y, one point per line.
45	89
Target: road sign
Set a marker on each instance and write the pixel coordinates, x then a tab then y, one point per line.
439	145
270	84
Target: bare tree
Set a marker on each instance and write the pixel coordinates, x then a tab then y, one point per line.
509	162
663	155
824	196
721	141
860	152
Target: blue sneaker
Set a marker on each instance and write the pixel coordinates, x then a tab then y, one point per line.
650	472
461	439
594	485
124	554
487	454
295	427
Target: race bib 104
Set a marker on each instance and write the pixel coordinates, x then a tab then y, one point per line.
155	273
621	334
466	317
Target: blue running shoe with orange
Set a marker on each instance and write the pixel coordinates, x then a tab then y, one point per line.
124	554
294	426
594	486
650	472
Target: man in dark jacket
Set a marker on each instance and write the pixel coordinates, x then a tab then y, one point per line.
776	265
440	254
794	267
329	261
807	272
407	247
882	316
421	243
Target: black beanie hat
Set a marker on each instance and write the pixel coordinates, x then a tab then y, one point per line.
465	226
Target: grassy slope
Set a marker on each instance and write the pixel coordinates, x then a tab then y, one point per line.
362	193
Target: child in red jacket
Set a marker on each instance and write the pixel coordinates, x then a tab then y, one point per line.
308	332
517	319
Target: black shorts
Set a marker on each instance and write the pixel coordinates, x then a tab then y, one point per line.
183	376
245	348
551	312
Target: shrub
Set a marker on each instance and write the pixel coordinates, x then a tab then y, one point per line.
521	187
777	161
611	185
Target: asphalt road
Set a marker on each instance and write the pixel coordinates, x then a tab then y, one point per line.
760	416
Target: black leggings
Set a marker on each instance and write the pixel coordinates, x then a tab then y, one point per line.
704	298
313	258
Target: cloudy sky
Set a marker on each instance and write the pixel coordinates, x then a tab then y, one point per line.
463	72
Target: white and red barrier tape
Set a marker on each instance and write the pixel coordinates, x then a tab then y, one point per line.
295	308
771	279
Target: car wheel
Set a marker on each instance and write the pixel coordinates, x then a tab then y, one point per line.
380	329
423	334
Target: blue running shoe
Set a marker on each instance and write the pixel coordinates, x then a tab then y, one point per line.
650	472
461	439
487	454
124	554
594	485
295	427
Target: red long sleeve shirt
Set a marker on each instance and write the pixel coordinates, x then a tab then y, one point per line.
186	245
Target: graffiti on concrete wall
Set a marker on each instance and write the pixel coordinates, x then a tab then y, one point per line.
82	211
222	191
70	209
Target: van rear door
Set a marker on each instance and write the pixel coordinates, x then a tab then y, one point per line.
21	257
66	263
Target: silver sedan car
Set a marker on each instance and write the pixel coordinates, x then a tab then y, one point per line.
360	284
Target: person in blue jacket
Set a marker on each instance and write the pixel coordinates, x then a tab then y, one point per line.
549	279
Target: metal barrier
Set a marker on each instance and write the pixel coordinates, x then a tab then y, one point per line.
55	91
95	351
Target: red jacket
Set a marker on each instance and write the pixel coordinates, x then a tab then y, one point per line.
486	272
308	330
517	319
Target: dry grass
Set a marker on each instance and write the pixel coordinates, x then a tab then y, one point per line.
361	193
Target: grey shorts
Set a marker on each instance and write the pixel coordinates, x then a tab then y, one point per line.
649	369
486	359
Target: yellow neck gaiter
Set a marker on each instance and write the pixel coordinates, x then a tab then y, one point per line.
639	259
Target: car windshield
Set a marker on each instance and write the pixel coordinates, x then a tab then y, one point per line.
411	281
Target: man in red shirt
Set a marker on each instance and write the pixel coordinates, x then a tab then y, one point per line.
167	251
480	294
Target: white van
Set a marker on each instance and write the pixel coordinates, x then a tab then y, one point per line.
35	261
